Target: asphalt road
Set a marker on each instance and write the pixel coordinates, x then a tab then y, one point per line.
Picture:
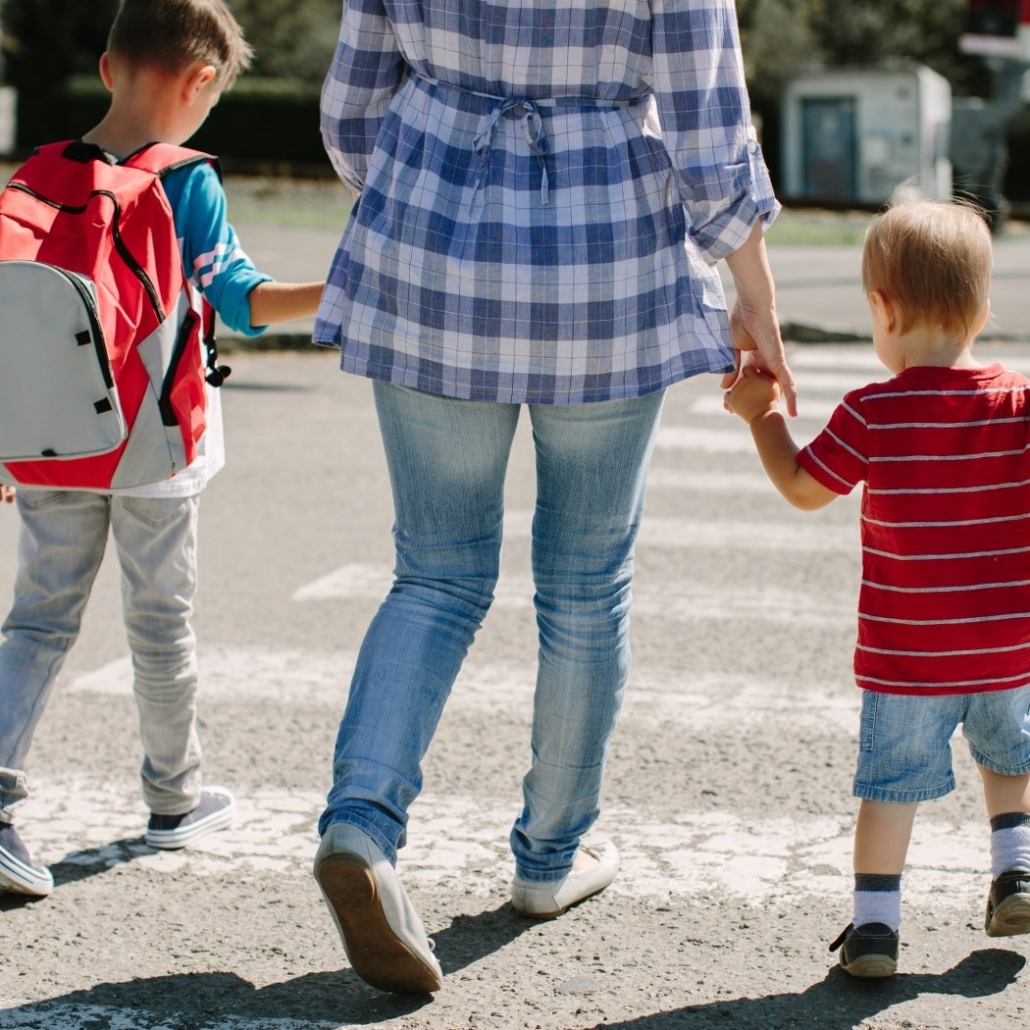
728	789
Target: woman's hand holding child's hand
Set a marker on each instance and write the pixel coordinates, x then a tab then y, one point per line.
753	394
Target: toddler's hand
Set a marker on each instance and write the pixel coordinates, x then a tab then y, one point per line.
6	494
753	394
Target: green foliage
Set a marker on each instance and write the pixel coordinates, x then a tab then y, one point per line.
781	37
291	38
45	42
258	123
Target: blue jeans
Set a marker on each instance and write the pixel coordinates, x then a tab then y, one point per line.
904	753
447	460
62	541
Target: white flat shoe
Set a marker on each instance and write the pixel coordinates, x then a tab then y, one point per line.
382	934
548	900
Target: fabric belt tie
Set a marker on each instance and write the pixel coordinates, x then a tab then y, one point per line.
531	123
532	132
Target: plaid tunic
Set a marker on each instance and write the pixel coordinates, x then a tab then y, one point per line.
545	189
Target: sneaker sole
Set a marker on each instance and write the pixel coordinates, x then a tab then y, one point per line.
1011	918
375	952
871	966
18	878
172	840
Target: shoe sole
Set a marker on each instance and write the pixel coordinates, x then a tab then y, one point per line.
871	966
172	840
1011	918
375	952
18	878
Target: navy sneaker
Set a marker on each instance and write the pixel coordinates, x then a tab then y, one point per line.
215	811
868	950
18	873
1008	905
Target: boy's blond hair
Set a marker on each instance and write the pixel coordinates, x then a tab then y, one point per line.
172	34
932	259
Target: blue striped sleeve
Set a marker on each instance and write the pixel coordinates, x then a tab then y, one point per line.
214	261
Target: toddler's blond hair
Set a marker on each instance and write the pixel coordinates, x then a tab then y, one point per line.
932	259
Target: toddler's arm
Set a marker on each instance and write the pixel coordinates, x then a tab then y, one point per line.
754	397
279	302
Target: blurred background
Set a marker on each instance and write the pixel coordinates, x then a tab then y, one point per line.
850	99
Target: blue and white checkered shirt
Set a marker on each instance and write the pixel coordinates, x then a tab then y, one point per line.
545	188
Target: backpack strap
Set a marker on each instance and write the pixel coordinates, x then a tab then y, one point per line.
160	159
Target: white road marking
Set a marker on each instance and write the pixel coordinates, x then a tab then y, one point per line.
734	439
859	358
709	482
810	409
653	696
678	600
463	841
806	534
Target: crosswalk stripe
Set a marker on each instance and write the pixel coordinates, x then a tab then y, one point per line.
653	695
679	599
774	861
810	409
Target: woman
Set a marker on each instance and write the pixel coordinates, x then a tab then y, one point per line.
543	192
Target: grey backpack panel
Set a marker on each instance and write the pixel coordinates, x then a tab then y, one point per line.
57	394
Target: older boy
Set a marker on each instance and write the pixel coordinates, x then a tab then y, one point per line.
944	623
167	62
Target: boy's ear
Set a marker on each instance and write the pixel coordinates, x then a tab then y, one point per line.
105	71
882	309
198	77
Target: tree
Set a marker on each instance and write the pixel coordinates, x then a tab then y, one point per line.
46	42
291	38
927	31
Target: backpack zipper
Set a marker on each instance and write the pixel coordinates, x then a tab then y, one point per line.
96	330
119	244
182	340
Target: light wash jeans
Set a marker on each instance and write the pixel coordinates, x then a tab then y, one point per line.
447	461
63	538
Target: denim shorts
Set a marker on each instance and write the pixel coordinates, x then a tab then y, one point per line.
904	750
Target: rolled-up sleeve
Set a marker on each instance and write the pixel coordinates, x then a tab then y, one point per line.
362	79
705	118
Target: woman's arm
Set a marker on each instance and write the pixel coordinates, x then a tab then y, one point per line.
754	324
362	79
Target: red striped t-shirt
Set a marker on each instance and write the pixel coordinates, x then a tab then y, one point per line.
944	606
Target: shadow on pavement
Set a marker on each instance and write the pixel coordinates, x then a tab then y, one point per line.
470	938
80	865
204	1001
840	1000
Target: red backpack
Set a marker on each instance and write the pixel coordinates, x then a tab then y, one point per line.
101	335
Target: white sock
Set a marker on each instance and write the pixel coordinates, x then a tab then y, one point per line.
1010	842
877	899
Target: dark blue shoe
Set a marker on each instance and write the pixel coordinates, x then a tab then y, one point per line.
18	873
215	811
1008	905
868	950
